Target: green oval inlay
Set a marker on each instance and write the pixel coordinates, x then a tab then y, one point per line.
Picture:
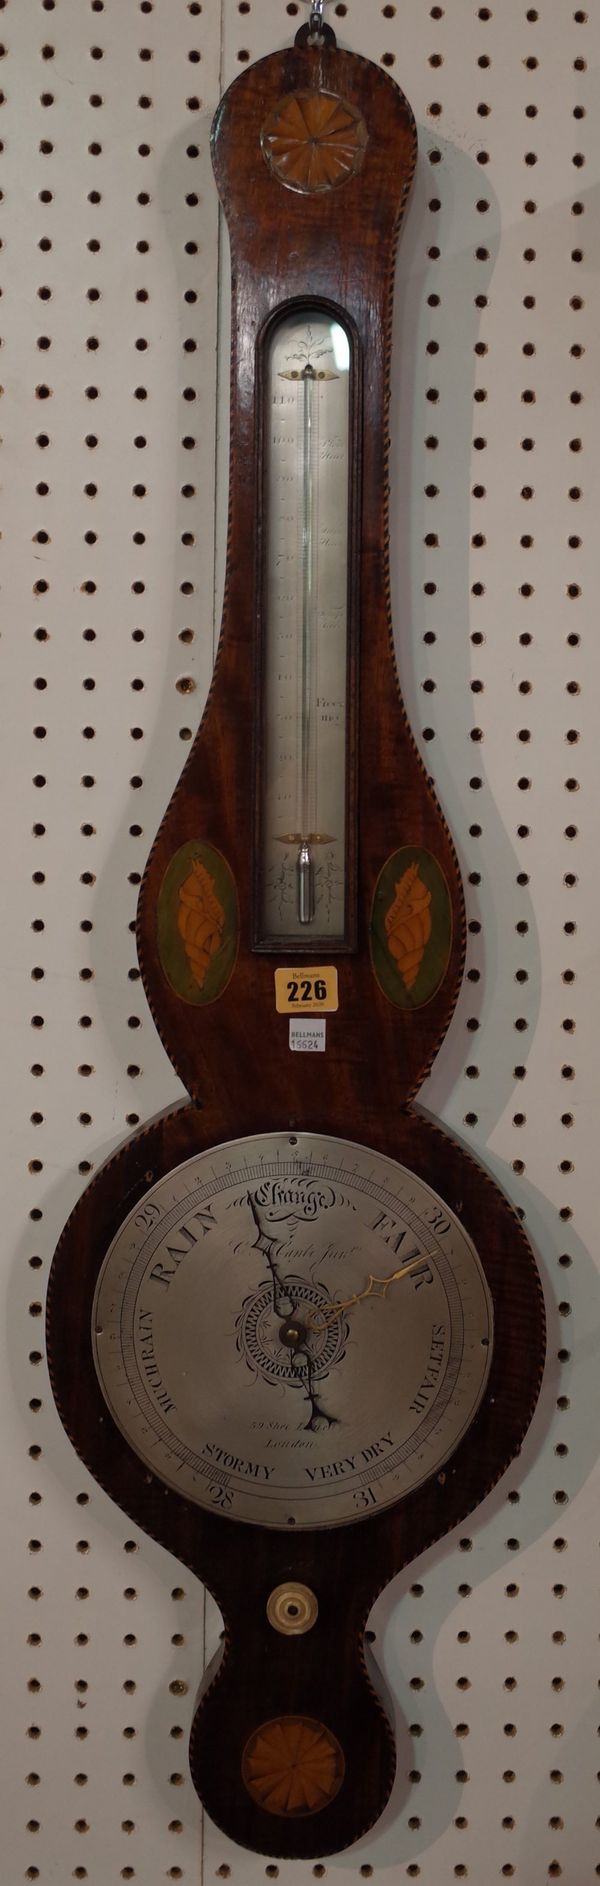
197	923
411	927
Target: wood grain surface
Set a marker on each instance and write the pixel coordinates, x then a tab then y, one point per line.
338	247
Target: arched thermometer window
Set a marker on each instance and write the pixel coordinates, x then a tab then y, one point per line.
303	893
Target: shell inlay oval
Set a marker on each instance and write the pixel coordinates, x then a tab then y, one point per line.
197	923
314	141
293	1766
411	927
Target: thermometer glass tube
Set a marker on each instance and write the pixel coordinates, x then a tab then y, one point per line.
302	838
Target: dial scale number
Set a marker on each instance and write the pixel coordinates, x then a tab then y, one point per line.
292	1330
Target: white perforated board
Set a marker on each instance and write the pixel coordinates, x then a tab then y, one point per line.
112	327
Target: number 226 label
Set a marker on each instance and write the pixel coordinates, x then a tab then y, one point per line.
306	991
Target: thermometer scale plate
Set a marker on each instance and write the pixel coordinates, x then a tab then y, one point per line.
302	847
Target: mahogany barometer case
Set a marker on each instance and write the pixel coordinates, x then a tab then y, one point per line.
294	1330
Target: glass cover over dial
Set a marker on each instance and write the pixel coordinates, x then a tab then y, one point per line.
292	1330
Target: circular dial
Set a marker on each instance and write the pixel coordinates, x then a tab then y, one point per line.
292	1329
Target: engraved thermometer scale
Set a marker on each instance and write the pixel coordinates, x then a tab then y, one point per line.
294	1330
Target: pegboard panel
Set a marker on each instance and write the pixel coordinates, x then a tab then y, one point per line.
113	467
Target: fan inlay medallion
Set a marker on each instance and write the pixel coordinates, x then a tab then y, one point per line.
314	141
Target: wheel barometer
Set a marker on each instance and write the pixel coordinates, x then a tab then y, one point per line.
294	1330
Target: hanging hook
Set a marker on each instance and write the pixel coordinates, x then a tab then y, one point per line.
316	32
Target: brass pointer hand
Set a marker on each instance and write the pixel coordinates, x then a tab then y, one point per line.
376	1287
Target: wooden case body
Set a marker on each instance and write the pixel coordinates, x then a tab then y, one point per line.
335	246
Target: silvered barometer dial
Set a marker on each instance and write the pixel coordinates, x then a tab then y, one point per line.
292	1330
